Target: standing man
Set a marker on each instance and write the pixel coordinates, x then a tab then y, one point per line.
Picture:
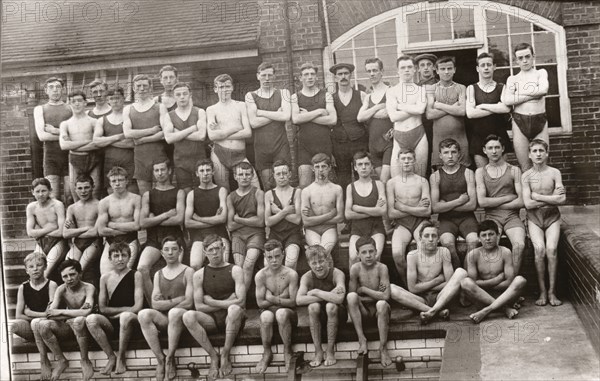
408	207
219	300
426	69
405	104
47	119
276	289
268	111
283	214
108	134
76	135
228	128
161	215
349	135
454	198
168	79
45	221
99	92
80	224
374	114
446	107
185	129
314	112
526	92
142	122
543	191
119	218
206	213
322	206
172	296
245	221
499	192
489	115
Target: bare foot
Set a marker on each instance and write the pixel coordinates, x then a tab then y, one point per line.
160	369
226	368
542	300
444	314
510	312
46	369
362	347
287	356
60	367
170	368
318	360
478	316
426	317
213	372
264	362
553	300
518	303
385	357
112	360
87	369
120	368
330	358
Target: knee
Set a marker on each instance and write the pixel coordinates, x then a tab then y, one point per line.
126	319
282	315
78	324
520	282
267	317
144	270
332	309
460	272
234	311
188	318
314	309
176	314
383	307
539	252
352	298
467	284
144	317
92	320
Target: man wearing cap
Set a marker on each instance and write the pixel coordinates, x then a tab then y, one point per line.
426	69
349	136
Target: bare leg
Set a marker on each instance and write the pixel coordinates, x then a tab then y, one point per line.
448	240
408	299
221	175
329	239
517	240
174	333
521	146
479	295
332	328
134	247
446	295
384	176
552	236
400	241
266	175
305	176
73	173
539	247
314	312
46	371
82	335
395	162
249	264
97	177
98	326
105	264
421	154
352	253
383	325
266	334
149	257
379	244
197	323
284	322
152	322
197	255
127	319
49	329
355	310
21	328
292	252
55	256
56	188
235	314
89	255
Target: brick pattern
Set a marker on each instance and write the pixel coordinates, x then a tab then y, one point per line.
141	362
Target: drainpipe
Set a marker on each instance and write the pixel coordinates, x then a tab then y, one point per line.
288	49
327	56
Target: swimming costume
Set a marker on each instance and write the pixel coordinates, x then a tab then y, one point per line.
380	146
246	237
218	283
409	140
124	294
83	164
186	152
347	127
148	153
530	125
206	204
169	109
313	138
56	161
47	243
285	231
92	114
430	297
229	157
494	124
544	216
123	238
270	141
36	300
326	284
501	186
321	229
172	288
370	226
411	223
449	126
84	243
115	156
451	186
162	201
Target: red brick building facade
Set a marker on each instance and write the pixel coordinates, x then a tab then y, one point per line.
203	39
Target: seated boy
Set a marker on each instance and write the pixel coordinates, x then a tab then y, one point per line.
121	298
491	271
322	289
368	295
543	191
432	283
33	296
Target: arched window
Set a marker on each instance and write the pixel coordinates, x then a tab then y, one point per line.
462	28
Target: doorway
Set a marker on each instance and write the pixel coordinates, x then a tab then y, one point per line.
466	61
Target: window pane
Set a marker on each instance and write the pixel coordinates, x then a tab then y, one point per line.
553	111
362	55
498	47
364	39
417	27
386	33
496	23
516	40
518	25
343	56
440	22
500	75
388	55
347	45
544	48
537	28
463	23
552	78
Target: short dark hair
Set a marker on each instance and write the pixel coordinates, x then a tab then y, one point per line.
210	239
141	77
160	160
279	163
492	137
374	60
205	161
70	263
167	68
445	59
118	247
523	46
484	55
407	150
84	178
117	89
308	65
360	155
541	142
487	225
264	66
428	224
182	84
321	157
315	251
41	181
75	93
117	171
405	57
171	238
273	244
449	142
362	241
244	165
222	78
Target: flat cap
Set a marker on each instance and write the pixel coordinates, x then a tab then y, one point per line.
426	56
337	66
